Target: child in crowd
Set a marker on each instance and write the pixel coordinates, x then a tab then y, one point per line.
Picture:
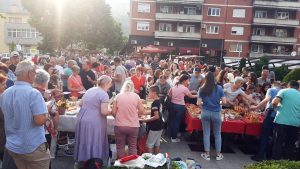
155	123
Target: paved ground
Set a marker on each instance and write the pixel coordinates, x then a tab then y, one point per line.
236	160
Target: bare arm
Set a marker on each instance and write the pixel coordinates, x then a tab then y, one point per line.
190	95
248	98
262	103
114	108
104	109
155	117
41	119
224	100
276	101
141	109
199	102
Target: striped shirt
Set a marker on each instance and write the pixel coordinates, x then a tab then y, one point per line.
19	104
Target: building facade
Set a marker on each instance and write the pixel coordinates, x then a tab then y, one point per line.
16	31
228	28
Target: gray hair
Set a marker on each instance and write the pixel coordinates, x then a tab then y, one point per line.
24	67
128	86
104	79
73	62
41	77
238	79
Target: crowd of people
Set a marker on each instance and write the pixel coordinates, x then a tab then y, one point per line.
29	89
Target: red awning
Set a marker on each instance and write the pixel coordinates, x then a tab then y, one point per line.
153	49
189	51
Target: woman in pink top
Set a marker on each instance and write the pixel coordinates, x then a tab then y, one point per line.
177	94
127	107
74	82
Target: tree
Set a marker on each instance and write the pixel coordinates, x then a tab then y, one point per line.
242	64
281	71
292	75
258	65
76	21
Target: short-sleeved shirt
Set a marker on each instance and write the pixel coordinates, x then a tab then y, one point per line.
194	82
288	112
212	102
127	109
261	82
178	93
156	125
120	70
138	82
272	92
19	104
85	82
229	94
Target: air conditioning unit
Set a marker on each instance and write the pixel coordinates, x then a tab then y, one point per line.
156	43
170	44
203	26
204	45
133	42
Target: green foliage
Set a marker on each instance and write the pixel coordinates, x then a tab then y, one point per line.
258	65
292	75
242	64
282	164
12	47
75	21
280	72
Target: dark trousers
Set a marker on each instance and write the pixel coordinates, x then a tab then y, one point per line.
176	116
267	131
8	161
193	101
287	135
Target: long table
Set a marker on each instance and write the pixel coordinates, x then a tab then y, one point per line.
228	126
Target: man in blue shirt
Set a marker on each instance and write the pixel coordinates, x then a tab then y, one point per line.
287	120
25	114
267	127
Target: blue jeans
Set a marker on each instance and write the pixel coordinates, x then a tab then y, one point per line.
214	118
176	115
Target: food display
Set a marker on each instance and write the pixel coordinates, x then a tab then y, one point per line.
194	110
254	117
147	104
72	105
229	114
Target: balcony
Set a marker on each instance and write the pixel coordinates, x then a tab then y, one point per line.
178	17
257	55
273	39
180	1
275	22
20	40
277	4
178	35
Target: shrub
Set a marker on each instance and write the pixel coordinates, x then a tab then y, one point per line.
281	164
292	75
281	72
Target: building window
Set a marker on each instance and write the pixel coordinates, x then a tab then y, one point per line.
282	15
14	20
143	26
189	28
143	8
281	33
236	47
166	9
156	43
237	30
259	31
190	10
238	13
22	33
257	48
260	14
170	44
212	29
213	11
165	27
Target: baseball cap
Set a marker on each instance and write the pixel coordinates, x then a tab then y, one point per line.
14	53
197	69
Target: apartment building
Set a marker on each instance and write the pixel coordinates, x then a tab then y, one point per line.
15	30
228	28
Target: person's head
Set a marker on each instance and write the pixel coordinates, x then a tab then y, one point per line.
245	70
250	89
128	86
238	81
14	58
117	61
174	67
265	67
157	73
264	74
197	71
6	60
41	78
3	69
184	80
53	60
162	79
167	73
86	65
252	78
236	73
25	71
2	83
209	84
153	92
222	76
149	80
75	69
71	63
49	68
93	60
155	59
104	82
62	60
132	71
139	71
265	87
293	84
218	70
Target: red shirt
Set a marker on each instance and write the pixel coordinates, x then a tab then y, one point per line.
138	82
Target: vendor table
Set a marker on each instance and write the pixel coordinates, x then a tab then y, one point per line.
252	129
231	126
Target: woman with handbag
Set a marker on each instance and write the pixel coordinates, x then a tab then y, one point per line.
177	94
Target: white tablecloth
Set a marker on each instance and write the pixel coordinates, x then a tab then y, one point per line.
68	121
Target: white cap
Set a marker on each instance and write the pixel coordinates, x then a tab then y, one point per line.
14	53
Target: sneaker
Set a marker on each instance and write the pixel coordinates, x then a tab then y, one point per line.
176	140
205	156
219	157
